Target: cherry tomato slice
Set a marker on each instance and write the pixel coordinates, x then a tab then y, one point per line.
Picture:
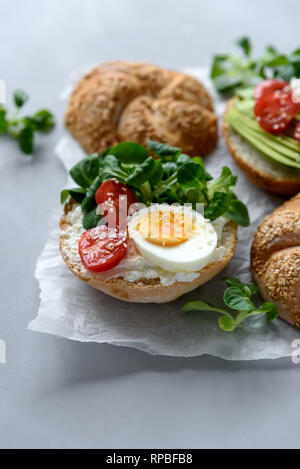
297	133
112	194
102	249
275	111
268	86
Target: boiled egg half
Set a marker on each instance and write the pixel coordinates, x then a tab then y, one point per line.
175	238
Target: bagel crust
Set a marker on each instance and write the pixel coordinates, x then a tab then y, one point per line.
147	291
275	260
126	101
262	172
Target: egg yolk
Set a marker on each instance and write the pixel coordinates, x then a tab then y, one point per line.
165	228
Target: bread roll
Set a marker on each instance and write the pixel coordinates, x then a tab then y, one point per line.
126	101
275	260
259	169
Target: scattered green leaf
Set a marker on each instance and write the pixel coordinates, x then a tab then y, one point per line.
227	324
202	306
26	140
245	44
238	298
20	98
43	120
3	120
24	129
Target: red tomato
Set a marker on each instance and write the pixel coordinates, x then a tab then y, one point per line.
102	249
275	111
268	86
297	133
111	195
113	190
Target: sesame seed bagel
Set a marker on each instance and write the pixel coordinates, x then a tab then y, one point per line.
144	290
275	259
260	170
127	101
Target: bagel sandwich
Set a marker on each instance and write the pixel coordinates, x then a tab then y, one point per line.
262	131
131	283
263	172
149	230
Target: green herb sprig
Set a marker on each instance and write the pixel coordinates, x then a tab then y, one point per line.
232	72
24	129
172	177
238	297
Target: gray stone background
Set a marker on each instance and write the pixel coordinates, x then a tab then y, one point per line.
55	393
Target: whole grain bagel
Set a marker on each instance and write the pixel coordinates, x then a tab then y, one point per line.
275	259
126	101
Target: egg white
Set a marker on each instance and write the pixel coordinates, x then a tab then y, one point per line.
191	256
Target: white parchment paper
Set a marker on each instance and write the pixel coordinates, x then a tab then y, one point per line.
75	311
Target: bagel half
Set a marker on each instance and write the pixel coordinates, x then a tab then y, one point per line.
127	101
144	291
260	170
275	260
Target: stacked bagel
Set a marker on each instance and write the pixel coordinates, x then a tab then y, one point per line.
126	101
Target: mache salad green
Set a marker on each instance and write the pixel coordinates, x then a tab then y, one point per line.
170	177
